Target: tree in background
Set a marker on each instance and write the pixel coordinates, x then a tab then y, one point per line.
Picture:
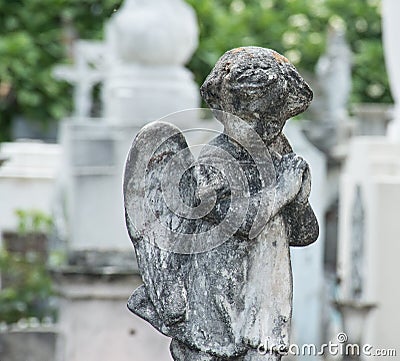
35	36
296	28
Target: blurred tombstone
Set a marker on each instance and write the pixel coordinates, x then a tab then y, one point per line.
371	180
141	68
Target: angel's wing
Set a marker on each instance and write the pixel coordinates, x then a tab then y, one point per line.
157	154
158	205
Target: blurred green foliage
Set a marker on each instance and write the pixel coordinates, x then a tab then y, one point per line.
35	33
297	29
28	289
33	221
26	284
34	36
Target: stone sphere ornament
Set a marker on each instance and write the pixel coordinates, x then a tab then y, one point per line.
212	233
154	32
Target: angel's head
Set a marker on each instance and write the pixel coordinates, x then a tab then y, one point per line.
259	86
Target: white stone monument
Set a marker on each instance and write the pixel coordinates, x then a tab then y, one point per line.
141	68
369	240
149	42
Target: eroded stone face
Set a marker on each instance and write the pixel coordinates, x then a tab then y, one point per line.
233	299
258	85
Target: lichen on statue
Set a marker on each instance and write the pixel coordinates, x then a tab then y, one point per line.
226	301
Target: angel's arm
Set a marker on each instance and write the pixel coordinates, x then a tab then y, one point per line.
301	221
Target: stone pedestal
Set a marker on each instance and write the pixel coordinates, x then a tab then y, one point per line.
139	94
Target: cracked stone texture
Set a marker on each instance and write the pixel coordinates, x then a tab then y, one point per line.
224	303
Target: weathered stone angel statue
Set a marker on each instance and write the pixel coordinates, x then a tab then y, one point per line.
212	234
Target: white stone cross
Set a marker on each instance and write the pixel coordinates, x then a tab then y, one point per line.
87	70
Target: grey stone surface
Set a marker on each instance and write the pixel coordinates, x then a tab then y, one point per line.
212	234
